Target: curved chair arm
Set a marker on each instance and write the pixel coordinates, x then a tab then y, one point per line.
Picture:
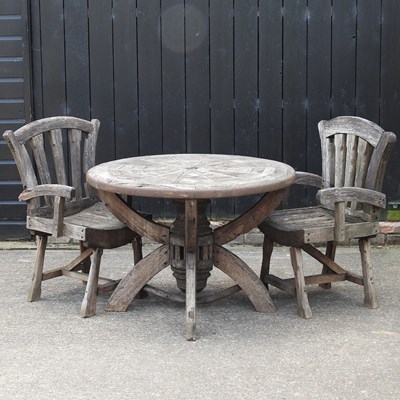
330	196
308	179
339	196
67	192
60	193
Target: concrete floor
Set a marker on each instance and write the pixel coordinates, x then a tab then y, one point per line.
345	351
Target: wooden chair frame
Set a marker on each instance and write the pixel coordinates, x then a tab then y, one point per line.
52	156
355	153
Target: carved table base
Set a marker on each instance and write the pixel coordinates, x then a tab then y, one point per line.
204	246
191	248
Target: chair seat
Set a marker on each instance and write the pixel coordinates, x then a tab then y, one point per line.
96	226
299	226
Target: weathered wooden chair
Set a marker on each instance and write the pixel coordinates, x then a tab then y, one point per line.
355	152
52	156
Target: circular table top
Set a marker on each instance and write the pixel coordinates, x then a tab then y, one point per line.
191	176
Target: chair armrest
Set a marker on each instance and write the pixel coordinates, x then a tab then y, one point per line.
47	190
60	193
308	179
339	196
330	196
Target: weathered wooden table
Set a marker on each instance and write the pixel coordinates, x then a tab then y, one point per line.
190	246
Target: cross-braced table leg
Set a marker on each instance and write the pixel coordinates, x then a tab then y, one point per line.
245	277
138	276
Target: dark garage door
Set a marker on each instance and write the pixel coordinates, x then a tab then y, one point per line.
14	110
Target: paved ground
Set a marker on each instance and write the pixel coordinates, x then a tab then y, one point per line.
344	352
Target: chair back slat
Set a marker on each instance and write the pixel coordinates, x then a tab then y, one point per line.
75	139
328	164
340	159
351	160
364	152
37	146
89	156
55	139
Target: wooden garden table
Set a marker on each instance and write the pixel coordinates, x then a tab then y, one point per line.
190	246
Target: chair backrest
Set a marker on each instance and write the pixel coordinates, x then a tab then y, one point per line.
55	150
355	152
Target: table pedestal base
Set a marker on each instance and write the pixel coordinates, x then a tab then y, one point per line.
159	259
188	236
204	246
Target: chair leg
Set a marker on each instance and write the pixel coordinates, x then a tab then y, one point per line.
137	247
35	289
370	299
303	307
86	262
89	302
330	252
268	247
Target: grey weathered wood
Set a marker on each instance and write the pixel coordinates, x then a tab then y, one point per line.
240	272
36	144
313	225
355	154
330	252
191	220
36	285
177	298
201	299
303	307
322	258
137	277
58	217
351	160
47	124
283	284
370	299
47	190
340	153
210	298
137	249
88	308
339	232
58	202
184	176
132	219
250	218
76	264
268	247
55	140
89	154
364	151
306	178
75	137
328	197
191	179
